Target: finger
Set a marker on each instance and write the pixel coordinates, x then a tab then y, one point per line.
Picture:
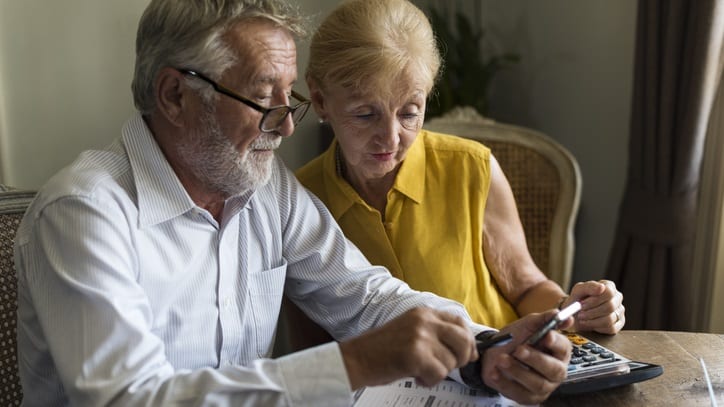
548	367
603	315
586	289
609	323
555	345
619	320
432	372
444	356
457	338
516	381
596	307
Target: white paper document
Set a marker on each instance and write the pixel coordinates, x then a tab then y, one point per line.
406	393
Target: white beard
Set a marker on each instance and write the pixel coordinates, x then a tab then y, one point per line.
215	161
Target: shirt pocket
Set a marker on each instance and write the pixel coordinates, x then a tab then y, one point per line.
266	288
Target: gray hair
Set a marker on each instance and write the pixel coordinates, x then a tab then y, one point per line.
189	34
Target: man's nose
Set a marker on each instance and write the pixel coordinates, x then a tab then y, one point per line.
287	127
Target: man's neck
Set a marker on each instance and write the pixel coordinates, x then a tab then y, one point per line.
203	197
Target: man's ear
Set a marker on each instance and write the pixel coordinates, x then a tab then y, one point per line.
317	97
172	96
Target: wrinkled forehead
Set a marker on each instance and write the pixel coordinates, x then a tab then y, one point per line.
263	49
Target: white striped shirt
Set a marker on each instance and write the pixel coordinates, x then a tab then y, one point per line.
130	294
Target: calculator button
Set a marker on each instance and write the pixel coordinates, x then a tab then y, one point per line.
576	361
576	339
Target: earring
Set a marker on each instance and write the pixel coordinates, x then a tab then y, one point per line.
321	120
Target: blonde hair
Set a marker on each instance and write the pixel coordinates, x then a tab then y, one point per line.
368	43
189	34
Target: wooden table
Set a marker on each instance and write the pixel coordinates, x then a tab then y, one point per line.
681	384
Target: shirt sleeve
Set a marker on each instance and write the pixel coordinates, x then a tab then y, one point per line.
80	257
333	283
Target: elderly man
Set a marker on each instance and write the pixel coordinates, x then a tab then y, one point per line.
151	272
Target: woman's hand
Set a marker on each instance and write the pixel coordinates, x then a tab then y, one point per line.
602	307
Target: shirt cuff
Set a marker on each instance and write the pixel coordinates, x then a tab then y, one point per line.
317	376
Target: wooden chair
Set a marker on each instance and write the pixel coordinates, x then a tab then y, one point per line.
545	179
13	204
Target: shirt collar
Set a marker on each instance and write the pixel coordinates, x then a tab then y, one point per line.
161	196
410	180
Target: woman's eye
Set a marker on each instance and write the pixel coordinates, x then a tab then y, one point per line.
409	117
410	120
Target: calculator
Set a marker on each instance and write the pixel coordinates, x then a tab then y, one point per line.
591	359
594	367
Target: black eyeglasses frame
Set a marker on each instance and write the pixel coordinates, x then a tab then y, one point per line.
302	106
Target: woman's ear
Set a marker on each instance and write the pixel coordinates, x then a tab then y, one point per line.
317	97
171	95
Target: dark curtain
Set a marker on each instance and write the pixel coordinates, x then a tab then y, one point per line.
677	69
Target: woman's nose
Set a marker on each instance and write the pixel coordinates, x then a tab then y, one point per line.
389	133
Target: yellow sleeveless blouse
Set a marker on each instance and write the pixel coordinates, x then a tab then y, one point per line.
432	237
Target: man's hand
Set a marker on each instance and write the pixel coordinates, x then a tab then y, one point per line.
602	307
525	373
422	343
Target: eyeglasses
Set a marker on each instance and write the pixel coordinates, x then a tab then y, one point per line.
273	117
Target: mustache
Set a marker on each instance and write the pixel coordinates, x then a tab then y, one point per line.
266	142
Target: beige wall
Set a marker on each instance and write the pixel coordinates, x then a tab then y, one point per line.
573	82
65	74
66	68
65	71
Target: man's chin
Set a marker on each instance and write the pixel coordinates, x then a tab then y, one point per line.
256	177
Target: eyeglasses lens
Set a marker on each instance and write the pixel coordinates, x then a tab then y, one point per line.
275	117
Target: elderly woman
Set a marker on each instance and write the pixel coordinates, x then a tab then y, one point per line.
435	209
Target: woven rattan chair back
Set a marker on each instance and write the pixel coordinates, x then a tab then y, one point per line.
545	179
13	204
